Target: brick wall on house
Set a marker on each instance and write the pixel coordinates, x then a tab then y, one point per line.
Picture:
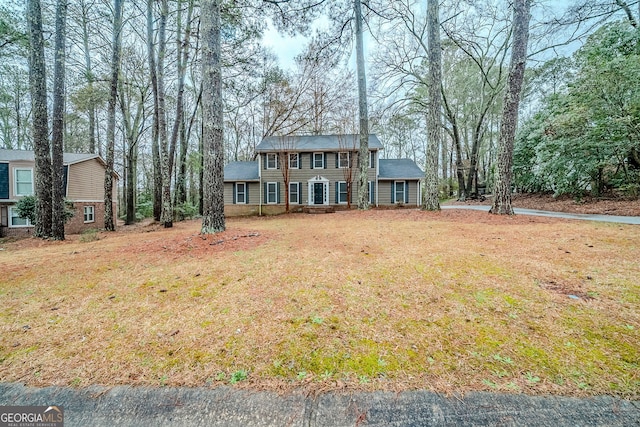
75	225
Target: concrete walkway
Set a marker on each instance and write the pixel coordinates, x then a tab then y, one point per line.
588	217
225	406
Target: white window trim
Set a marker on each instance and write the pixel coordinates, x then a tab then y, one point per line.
275	156
315	166
395	191
10	222
275	193
15	182
372	159
93	214
340	202
244	184
340	165
297	160
298	188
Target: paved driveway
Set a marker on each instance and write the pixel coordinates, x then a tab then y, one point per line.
588	217
226	406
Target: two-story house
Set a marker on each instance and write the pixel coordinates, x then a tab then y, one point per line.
316	171
83	188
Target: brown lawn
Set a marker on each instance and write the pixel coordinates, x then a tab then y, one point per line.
394	300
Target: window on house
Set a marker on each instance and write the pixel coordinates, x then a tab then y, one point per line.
272	192
372	159
294	192
342	192
318	160
89	214
343	160
272	160
241	193
293	161
15	220
24	182
399	191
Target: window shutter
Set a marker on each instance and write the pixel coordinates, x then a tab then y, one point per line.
278	192
266	188
277	160
393	192
263	157
337	157
246	193
4	180
311	158
325	161
372	193
233	188
337	192
406	192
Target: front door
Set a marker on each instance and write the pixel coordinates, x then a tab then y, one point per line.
318	193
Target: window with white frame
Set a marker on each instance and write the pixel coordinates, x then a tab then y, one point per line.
89	214
318	160
15	220
342	192
399	191
343	160
371	202
272	192
294	160
241	193
24	182
294	192
372	159
272	160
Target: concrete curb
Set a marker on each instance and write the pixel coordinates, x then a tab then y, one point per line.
226	406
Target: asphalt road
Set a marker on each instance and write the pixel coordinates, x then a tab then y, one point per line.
588	217
226	406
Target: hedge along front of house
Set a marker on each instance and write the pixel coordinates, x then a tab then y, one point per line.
321	170
83	184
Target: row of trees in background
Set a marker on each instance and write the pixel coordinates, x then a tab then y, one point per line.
157	134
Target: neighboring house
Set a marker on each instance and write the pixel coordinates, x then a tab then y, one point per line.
83	188
319	169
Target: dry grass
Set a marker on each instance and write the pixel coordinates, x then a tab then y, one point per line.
396	300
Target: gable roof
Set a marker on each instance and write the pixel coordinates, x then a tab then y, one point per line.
316	143
399	169
241	171
29	156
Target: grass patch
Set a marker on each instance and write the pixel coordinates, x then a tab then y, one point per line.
447	301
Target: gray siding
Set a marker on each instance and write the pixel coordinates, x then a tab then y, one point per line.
305	173
253	188
385	189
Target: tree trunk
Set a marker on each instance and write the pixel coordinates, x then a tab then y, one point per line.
90	77
155	149
213	219
434	116
502	189
41	148
166	216
109	220
363	158
57	134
